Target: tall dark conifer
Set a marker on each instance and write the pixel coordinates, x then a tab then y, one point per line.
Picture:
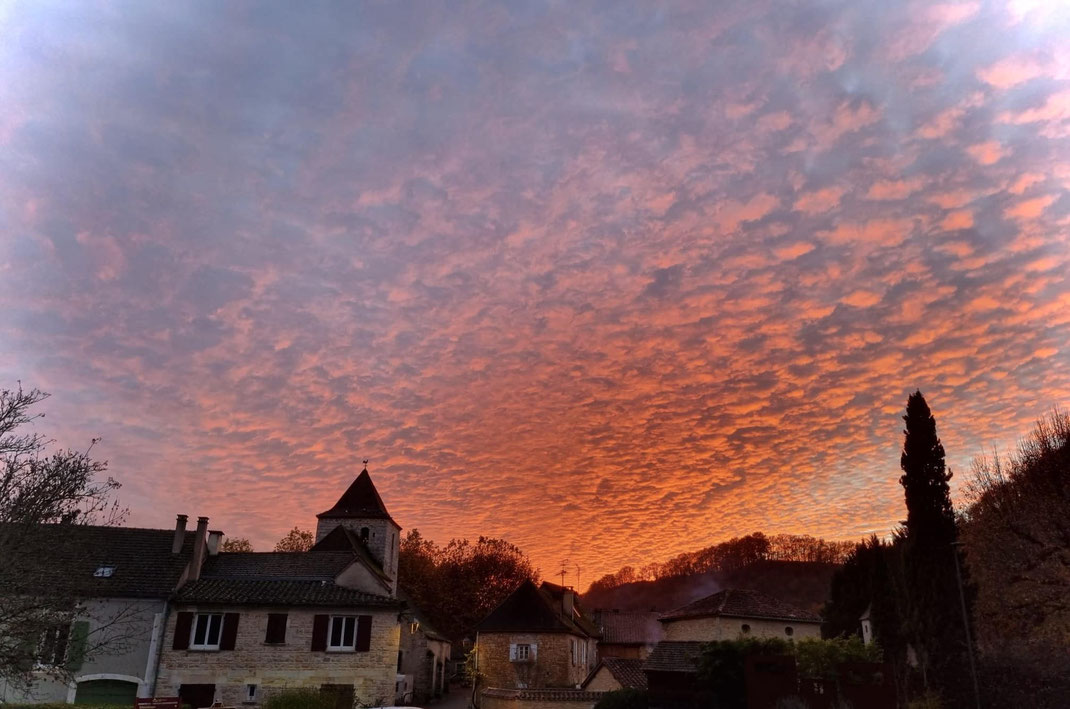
933	618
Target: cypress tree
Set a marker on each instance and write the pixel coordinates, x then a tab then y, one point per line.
933	620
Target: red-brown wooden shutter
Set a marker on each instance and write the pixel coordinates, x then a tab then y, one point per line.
364	633
319	632
183	626
230	631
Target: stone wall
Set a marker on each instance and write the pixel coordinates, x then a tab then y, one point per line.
554	664
718	628
275	667
538	699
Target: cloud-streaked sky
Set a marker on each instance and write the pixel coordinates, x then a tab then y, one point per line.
610	280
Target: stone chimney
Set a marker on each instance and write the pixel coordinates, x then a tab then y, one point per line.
214	539
568	602
180	534
200	542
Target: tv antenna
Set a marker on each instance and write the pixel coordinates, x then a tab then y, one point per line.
563	571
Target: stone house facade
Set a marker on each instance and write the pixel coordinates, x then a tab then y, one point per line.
248	624
538	637
260	659
736	613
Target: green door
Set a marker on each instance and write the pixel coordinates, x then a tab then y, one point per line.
106	691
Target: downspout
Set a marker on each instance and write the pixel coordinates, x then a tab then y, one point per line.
154	658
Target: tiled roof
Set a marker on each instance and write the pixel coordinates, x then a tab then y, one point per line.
628	627
672	656
321	565
361	499
344	539
739	603
535	610
69	556
628	672
276	592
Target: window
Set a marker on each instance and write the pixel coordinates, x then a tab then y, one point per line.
745	628
364	534
52	648
276	629
250	692
789	631
343	632
206	631
523	652
572	650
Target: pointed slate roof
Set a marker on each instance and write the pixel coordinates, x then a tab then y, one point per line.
361	500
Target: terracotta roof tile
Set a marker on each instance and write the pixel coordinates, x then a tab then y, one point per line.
674	656
278	592
628	672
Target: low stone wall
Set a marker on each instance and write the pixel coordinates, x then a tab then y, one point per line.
538	699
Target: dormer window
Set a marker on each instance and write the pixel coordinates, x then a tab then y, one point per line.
104	572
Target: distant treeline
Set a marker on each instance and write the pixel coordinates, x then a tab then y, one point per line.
733	554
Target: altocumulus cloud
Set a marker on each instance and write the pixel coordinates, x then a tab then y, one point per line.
613	281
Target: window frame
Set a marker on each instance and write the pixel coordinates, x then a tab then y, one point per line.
56	641
524	656
282	619
343	647
206	646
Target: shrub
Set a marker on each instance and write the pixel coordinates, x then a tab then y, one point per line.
307	698
819	658
624	699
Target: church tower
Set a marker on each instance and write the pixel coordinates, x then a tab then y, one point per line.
362	510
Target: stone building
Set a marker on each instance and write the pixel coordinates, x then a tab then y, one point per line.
736	613
538	637
122	578
246	625
423	658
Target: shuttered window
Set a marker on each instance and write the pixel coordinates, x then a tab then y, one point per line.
347	633
276	629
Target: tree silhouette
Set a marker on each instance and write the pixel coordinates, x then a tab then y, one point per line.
296	540
236	544
932	619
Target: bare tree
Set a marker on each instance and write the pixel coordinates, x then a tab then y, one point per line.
236	544
296	540
45	495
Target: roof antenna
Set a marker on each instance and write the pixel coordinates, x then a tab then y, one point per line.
563	571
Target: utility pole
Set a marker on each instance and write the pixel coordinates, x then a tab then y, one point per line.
966	624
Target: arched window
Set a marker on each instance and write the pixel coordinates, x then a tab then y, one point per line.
745	628
789	631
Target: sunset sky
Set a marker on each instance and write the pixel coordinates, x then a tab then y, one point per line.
610	280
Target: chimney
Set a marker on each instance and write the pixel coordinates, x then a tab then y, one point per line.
180	534
214	538
199	544
568	602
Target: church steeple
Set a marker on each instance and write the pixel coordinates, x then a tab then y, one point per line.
361	509
361	499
